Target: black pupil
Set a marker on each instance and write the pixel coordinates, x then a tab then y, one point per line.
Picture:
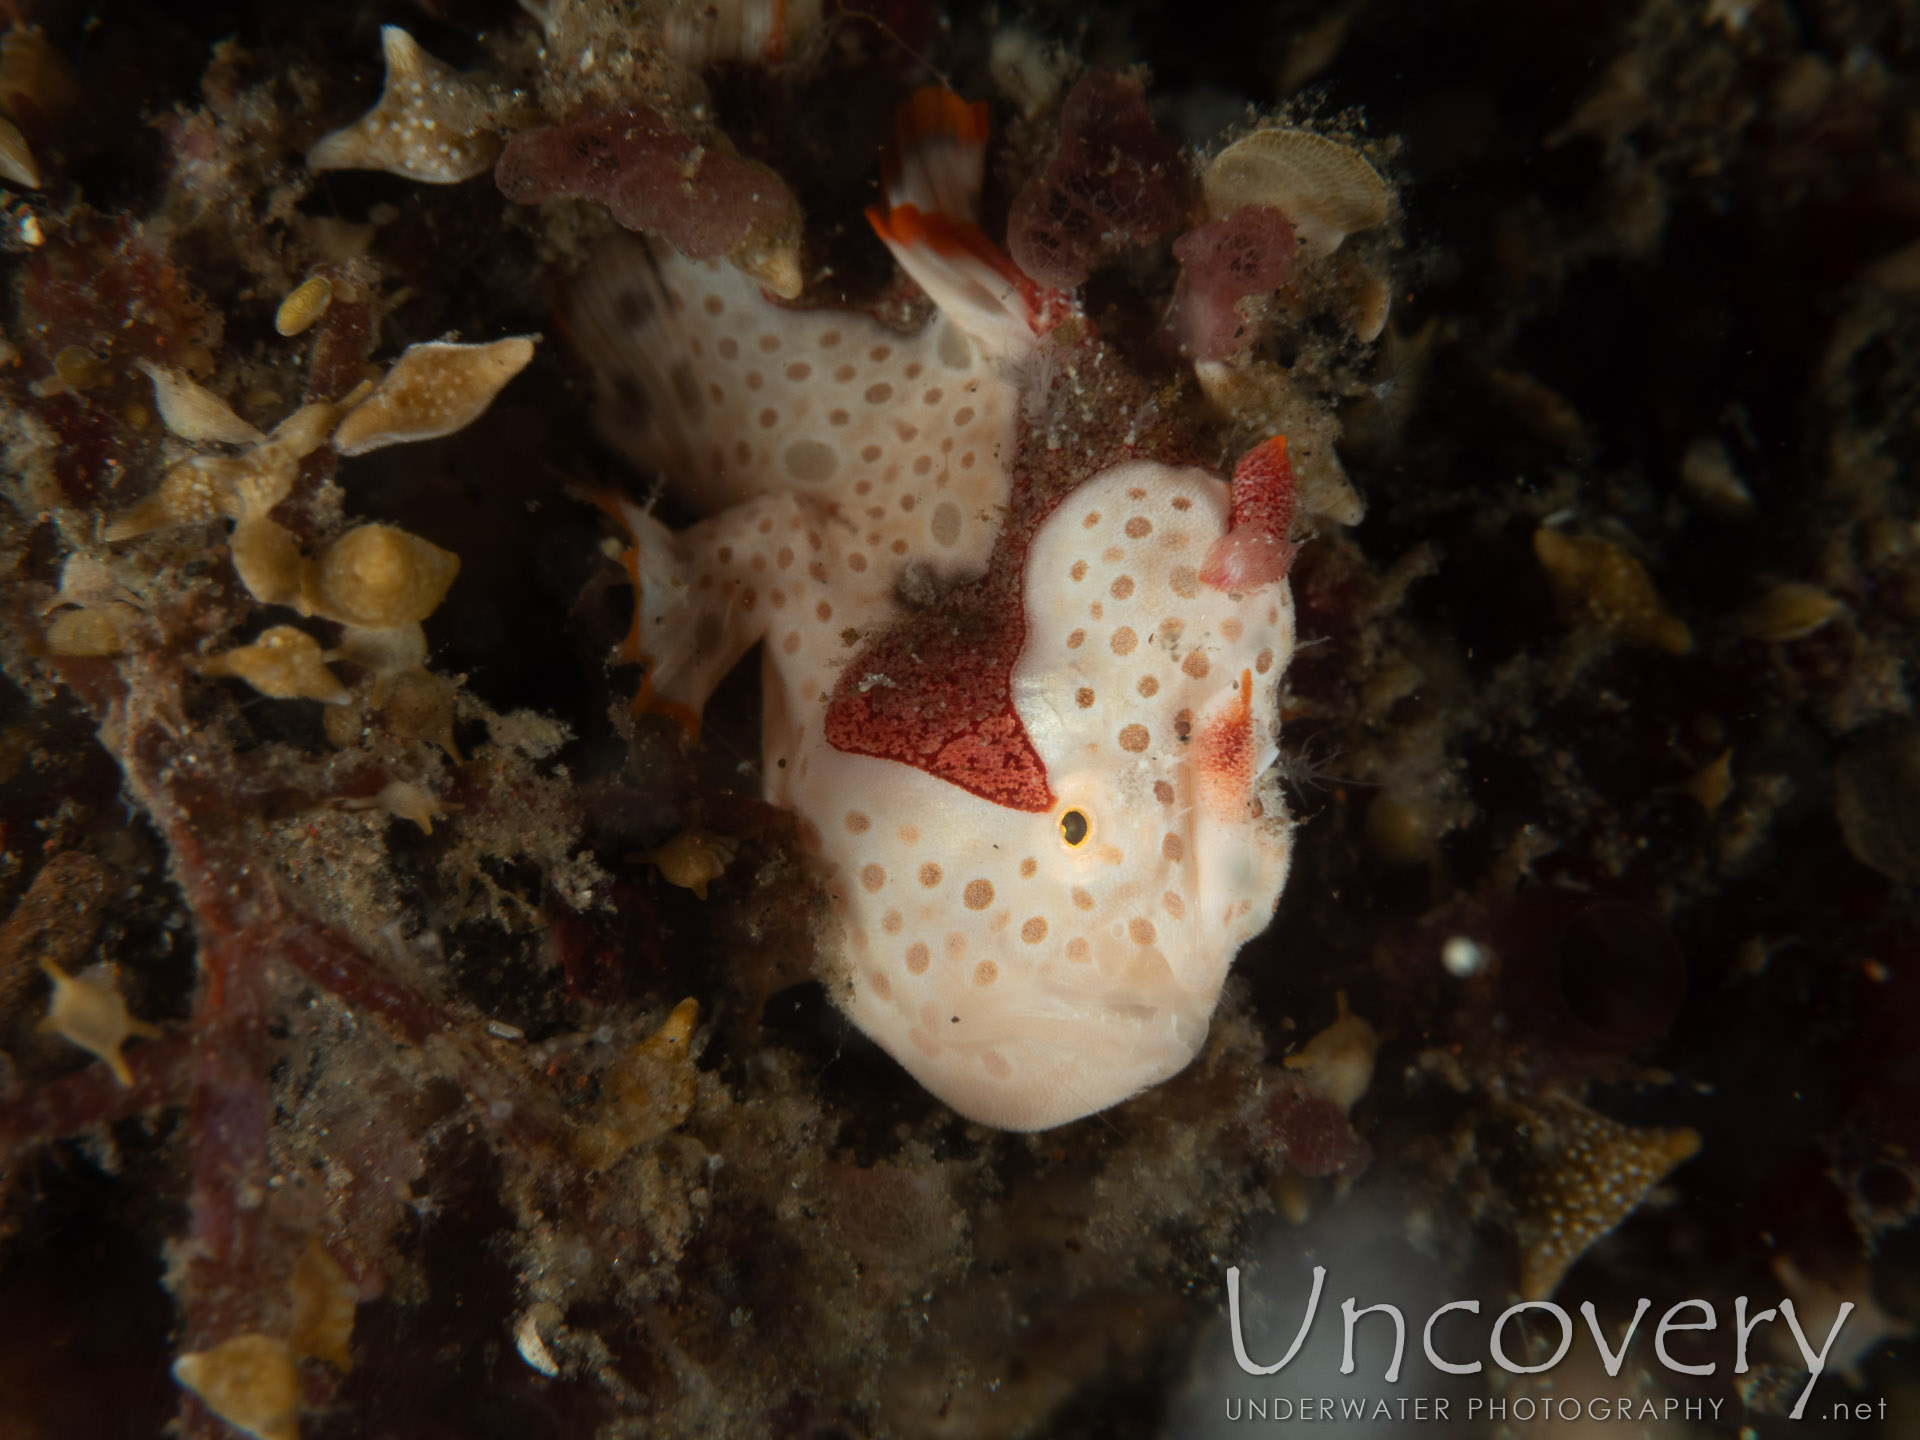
1073	827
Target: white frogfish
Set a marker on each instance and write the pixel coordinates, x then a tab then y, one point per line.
1027	727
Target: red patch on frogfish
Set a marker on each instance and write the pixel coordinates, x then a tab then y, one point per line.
1224	753
935	691
1255	550
943	704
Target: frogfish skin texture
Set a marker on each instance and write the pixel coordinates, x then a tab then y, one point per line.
1028	730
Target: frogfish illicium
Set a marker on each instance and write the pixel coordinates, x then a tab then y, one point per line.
1026	713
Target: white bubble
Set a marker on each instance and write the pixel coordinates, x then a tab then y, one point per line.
1463	957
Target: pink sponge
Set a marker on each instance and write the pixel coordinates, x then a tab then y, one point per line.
651	176
1222	262
1114	181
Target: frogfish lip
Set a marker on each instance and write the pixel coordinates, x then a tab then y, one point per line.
1060	1053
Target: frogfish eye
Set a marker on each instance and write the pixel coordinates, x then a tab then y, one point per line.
1073	827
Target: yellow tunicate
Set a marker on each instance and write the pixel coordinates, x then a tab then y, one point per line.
284	663
1541	408
379	577
1292	1197
431	124
250	1381
189	492
1338	1062
267	559
406	801
37	82
1707	476
305	430
235	486
432	390
1711	784
304	305
1786	612
648	1093
670	1041
691	859
323	1301
1612	588
203	488
17	165
91	1014
1367	300
195	413
772	256
1877	800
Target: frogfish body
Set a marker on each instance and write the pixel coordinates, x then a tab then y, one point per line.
1027	728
